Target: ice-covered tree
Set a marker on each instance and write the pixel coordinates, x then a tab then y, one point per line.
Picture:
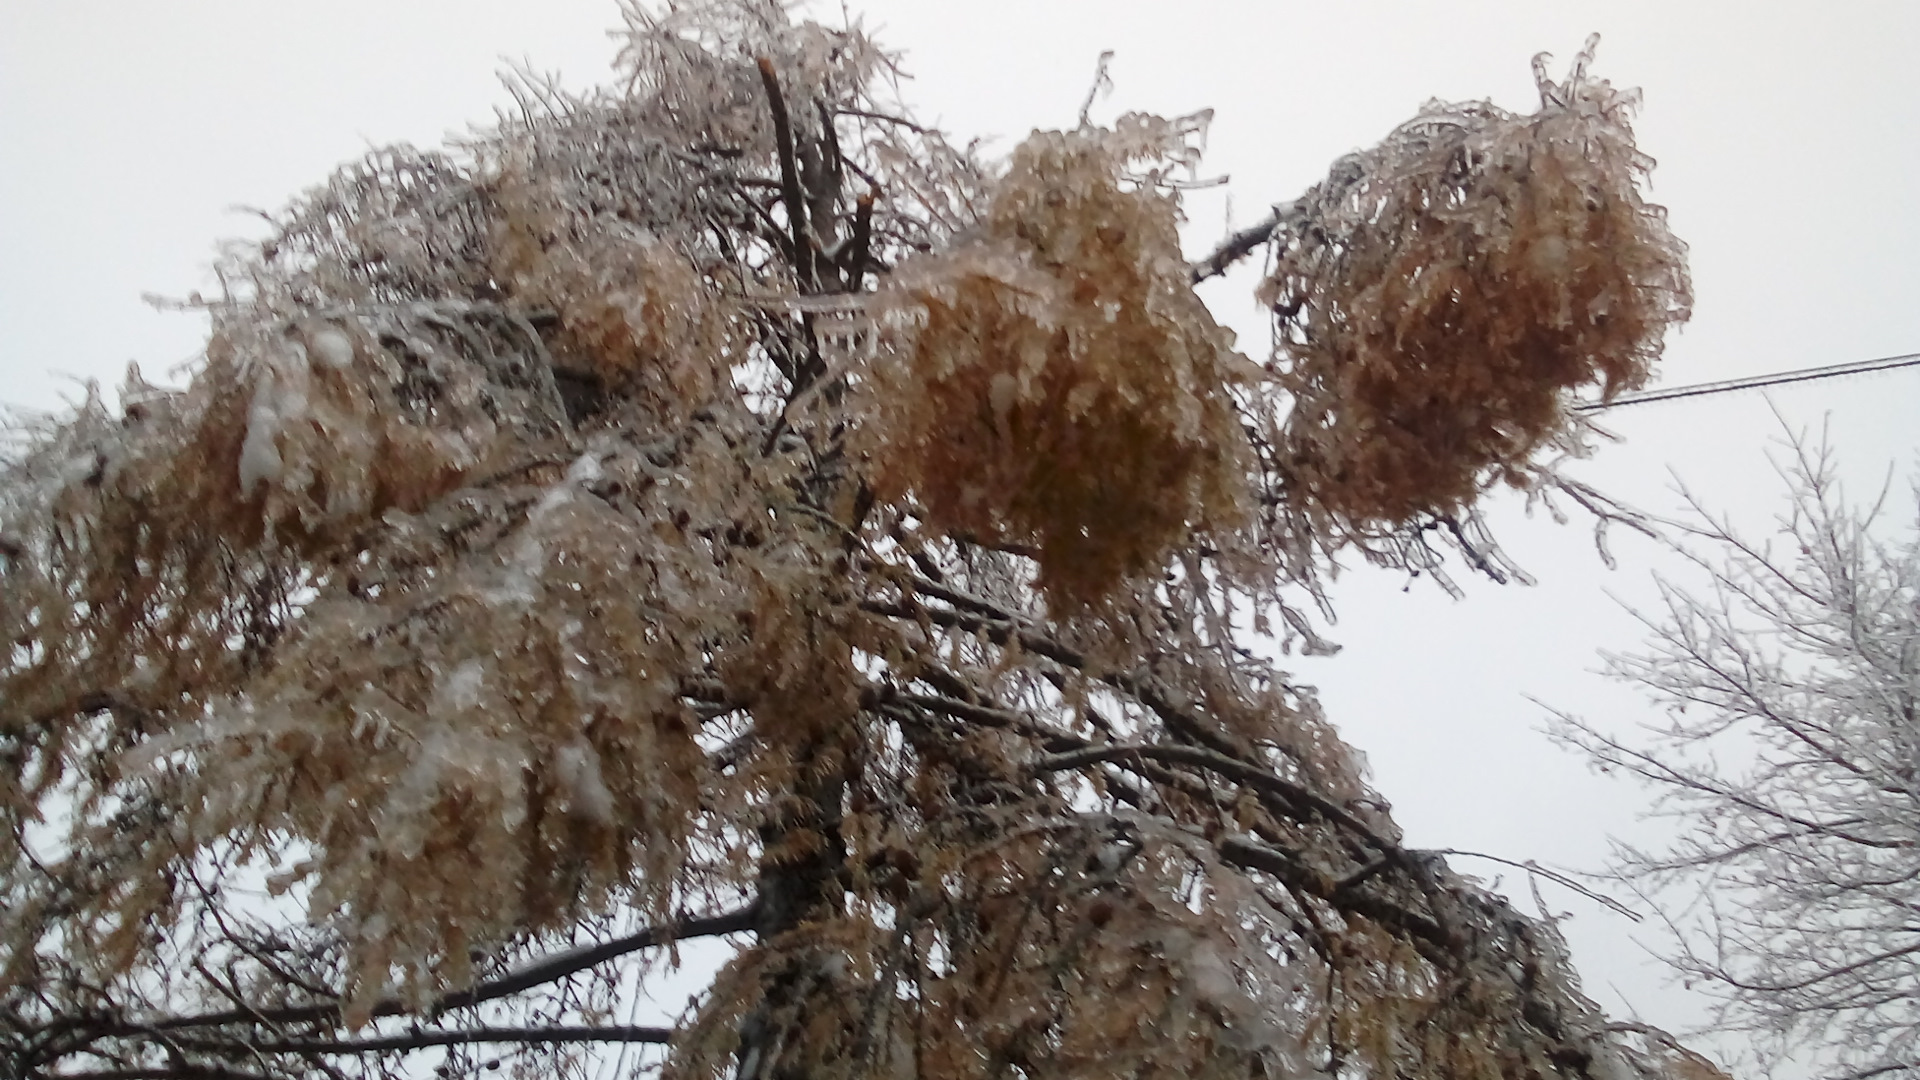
722	506
1789	762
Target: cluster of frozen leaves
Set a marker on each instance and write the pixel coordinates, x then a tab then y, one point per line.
1444	289
723	493
1061	384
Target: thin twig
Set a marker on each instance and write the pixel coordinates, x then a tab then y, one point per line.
1554	876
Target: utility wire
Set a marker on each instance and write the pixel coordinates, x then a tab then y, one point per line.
1752	382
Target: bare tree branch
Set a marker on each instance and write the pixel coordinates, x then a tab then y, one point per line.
1238	246
539	973
422	1040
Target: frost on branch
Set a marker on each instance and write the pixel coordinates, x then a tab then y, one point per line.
720	506
1441	294
1788	673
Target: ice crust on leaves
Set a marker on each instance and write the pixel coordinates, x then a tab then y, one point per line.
1447	289
1056	382
1002	978
722	490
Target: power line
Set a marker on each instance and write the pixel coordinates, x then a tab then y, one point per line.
1752	382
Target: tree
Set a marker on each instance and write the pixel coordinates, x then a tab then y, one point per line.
1787	759
723	507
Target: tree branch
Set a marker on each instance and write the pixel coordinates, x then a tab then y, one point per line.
546	970
860	247
175	1073
1236	247
1296	874
1000	627
422	1040
1237	771
789	175
987	716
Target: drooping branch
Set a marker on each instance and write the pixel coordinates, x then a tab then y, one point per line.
1297	874
1237	771
1001	627
1344	893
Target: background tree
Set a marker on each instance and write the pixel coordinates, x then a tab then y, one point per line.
720	506
1787	760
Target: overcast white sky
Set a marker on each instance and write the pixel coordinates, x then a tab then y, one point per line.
1789	144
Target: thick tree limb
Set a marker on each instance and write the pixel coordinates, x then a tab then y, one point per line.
791	194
